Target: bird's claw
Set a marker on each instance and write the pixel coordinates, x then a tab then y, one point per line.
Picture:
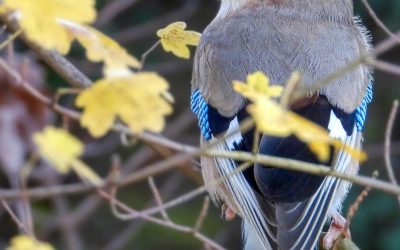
337	228
227	212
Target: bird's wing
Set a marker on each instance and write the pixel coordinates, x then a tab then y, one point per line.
235	189
300	224
244	198
299	218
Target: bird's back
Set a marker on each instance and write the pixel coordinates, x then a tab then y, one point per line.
278	40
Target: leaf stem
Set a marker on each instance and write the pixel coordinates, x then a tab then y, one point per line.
10	38
145	54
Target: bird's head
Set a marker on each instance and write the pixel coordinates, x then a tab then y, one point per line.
342	8
231	6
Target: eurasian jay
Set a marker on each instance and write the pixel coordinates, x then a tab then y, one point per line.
282	209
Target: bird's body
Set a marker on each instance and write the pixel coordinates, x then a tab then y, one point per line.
281	209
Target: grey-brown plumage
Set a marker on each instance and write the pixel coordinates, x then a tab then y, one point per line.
316	37
278	37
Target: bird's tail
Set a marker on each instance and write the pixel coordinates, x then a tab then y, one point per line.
251	241
237	192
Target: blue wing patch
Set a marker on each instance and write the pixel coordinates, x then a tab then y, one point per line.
206	114
361	111
200	108
211	122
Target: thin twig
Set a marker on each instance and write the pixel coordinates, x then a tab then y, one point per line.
69	189
25	171
315	169
354	207
68	230
2	29
137	32
10	39
168	205
256	140
139	159
291	86
387	44
163	223
19	81
157	197
15	218
388	136
202	215
121	238
379	22
385	66
328	79
112	10
145	54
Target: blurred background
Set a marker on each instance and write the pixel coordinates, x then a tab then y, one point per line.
86	222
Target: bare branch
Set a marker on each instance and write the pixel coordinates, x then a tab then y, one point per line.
192	151
354	207
150	170
202	215
307	168
56	61
379	22
167	224
385	66
387	44
132	34
35	93
170	186
388	136
15	218
157	197
112	10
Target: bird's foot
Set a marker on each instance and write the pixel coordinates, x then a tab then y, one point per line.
227	212
337	228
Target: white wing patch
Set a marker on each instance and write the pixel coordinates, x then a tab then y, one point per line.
234	132
240	191
335	127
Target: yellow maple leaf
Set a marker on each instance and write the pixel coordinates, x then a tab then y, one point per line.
174	38
101	48
58	147
40	19
24	242
258	84
138	100
62	150
273	119
317	137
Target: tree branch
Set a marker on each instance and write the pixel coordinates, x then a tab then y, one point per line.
53	59
388	136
